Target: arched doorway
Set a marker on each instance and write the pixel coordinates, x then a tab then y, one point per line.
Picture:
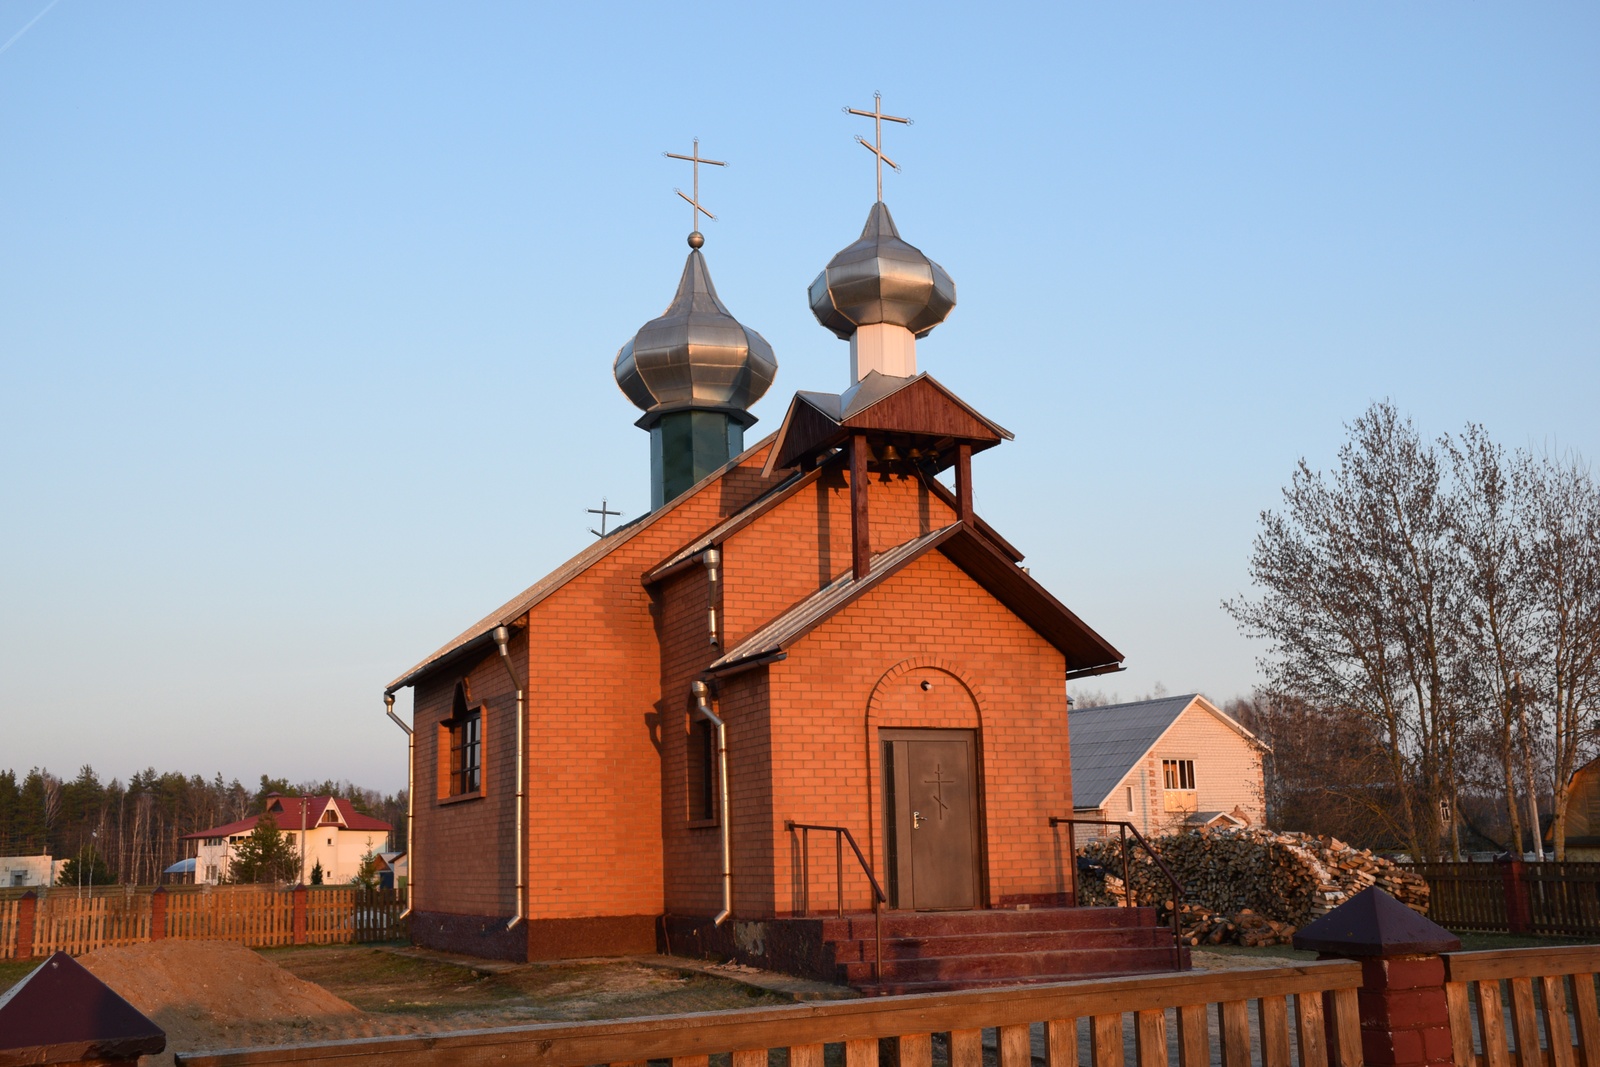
925	724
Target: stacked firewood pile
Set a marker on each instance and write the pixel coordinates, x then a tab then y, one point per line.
1243	886
1202	926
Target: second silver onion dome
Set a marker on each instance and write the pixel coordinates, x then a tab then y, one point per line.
881	278
696	355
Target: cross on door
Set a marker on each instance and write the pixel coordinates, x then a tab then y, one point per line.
939	781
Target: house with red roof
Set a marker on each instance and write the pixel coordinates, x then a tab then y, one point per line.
325	830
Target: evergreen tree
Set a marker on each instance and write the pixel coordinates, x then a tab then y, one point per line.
266	855
89	866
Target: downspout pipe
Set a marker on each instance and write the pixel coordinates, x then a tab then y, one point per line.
502	638
411	800
702	699
712	559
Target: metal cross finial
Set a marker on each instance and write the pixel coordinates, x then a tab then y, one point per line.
694	201
603	510
876	145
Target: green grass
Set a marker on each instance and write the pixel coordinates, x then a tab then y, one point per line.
1474	942
14	971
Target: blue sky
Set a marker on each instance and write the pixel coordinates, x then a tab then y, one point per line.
309	310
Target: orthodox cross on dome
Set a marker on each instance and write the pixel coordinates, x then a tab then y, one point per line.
696	238
875	146
603	510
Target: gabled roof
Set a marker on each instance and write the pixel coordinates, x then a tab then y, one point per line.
478	634
286	810
919	405
1086	652
1108	741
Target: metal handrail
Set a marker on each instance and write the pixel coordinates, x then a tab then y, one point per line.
841	834
1127	883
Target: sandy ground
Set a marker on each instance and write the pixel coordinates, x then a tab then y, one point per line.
210	995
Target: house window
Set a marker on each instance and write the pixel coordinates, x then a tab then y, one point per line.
1130	798
702	768
1177	780
461	748
330	816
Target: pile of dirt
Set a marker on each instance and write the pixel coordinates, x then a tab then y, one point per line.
217	994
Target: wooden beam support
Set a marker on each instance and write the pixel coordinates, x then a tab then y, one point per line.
964	482
860	542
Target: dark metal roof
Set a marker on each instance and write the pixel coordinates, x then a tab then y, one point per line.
1107	741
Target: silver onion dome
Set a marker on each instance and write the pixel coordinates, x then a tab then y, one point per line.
696	355
881	278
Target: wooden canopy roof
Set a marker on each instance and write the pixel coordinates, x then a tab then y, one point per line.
920	410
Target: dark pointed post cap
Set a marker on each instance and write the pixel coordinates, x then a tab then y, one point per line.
61	1014
1373	923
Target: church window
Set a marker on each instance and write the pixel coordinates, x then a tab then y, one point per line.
461	748
702	768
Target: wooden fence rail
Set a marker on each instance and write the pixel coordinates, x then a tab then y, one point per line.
1209	1011
40	922
1477	985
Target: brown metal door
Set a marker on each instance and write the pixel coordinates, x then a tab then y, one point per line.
932	802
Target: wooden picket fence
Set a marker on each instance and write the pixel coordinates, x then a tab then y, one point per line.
1306	1015
1509	1008
1515	897
76	921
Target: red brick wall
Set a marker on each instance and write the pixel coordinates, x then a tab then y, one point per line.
859	672
594	772
609	713
808	750
804	543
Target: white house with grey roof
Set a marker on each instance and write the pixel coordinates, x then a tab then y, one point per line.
1164	764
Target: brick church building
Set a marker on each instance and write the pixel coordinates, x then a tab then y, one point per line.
812	631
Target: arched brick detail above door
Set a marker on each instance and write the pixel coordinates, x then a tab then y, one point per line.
926	691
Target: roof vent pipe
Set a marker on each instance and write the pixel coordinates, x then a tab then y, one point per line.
711	558
502	638
411	793
702	698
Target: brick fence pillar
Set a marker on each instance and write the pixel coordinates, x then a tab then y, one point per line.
158	913
300	914
27	908
1404	1020
1519	907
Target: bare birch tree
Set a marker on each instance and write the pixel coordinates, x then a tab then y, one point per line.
1562	516
1497	619
1357	590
